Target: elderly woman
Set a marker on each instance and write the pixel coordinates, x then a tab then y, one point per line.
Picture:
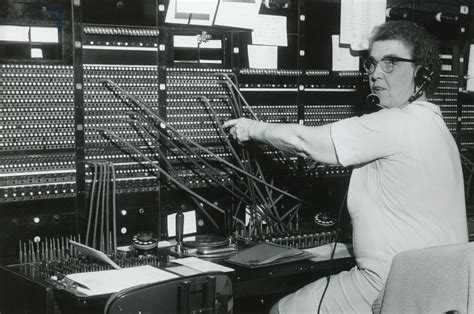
406	190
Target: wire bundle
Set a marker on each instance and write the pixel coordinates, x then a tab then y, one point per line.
101	231
255	194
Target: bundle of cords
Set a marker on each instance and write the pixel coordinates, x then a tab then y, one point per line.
338	232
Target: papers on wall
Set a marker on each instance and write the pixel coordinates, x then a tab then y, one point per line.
196	6
196	12
88	251
342	60
358	18
470	70
263	57
270	30
110	281
238	13
234	13
201	265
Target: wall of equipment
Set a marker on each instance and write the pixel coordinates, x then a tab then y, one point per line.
106	145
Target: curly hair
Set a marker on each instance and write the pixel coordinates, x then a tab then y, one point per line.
424	46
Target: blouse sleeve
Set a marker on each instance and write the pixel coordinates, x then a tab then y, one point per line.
359	140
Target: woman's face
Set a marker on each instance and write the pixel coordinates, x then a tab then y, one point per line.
395	88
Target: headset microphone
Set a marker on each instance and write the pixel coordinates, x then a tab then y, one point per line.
372	99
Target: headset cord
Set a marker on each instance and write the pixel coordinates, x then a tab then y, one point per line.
338	232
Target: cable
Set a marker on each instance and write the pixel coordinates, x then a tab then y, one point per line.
107	208
338	230
102	211
206	173
253	187
161	170
97	207
174	172
186	140
158	124
91	204
114	208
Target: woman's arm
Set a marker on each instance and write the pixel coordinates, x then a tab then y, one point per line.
304	141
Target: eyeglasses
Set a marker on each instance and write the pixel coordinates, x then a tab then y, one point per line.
387	64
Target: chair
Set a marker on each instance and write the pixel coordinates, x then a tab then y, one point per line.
431	280
202	293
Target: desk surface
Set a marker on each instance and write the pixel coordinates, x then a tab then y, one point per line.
254	290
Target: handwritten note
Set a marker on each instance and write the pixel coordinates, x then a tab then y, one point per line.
270	30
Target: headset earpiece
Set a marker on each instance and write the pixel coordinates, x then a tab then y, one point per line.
423	77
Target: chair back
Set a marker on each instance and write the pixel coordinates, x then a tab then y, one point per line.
202	293
431	280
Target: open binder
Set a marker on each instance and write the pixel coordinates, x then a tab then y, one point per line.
267	254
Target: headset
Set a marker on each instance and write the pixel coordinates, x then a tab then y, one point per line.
423	78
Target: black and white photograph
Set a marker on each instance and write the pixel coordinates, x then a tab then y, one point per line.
236	156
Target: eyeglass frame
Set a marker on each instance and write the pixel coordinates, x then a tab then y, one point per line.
391	59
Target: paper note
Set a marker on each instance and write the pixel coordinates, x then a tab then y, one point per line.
196	12
175	17
196	6
342	60
14	33
88	251
189	223
238	13
202	265
263	57
346	25
270	30
358	18
110	281
470	70
181	41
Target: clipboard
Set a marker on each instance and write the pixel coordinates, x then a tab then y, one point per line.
268	254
